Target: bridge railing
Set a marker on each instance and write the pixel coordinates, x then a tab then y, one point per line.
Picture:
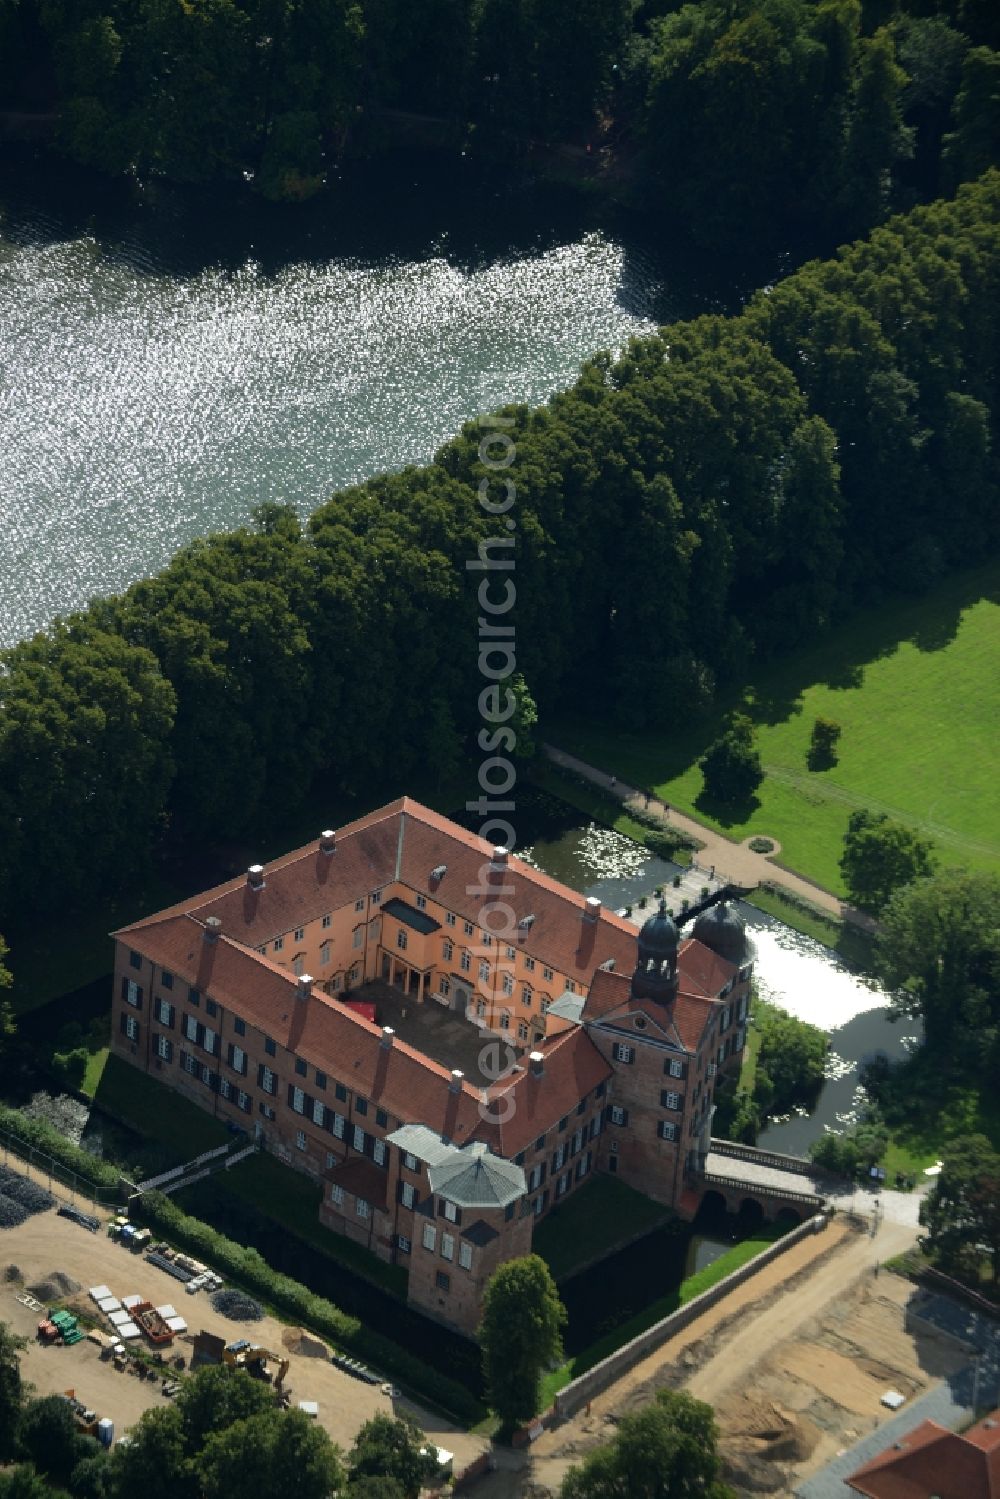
797	1163
759	1189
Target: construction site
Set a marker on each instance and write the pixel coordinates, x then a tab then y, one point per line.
115	1332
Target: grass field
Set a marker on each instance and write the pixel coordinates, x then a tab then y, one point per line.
916	689
593	1223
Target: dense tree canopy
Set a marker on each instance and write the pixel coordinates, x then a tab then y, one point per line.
391	1448
731	764
520	1335
741	118
665	1451
939	952
962	1211
790	1062
724	491
880	857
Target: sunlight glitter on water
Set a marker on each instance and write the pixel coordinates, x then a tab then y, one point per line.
142	409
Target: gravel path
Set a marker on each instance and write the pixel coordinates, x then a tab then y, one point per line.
735	863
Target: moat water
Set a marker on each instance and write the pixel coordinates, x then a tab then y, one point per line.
796	972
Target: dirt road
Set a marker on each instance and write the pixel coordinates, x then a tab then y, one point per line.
723	1346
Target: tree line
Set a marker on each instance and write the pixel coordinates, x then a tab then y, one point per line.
737	117
722	492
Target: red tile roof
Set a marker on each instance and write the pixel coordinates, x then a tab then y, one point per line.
525	1106
932	1461
339	1041
320	1029
687	1017
702	971
404	841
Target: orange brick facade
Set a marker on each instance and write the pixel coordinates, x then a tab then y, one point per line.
215	1000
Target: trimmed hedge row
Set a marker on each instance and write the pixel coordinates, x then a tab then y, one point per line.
36	1134
249	1268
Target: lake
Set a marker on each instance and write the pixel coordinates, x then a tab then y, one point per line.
174	358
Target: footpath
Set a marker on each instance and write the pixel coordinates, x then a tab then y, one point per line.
732	863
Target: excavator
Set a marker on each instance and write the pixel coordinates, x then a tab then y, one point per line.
259	1363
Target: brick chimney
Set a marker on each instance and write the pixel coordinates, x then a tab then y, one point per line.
305	984
328	841
537	1060
388	1036
592	909
213	926
255	876
455	1086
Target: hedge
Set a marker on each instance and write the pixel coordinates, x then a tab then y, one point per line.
251	1270
36	1134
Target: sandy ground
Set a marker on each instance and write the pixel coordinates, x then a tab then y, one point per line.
47	1243
795	1362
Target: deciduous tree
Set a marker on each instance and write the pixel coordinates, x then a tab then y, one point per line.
962	1210
880	857
666	1451
391	1448
520	1335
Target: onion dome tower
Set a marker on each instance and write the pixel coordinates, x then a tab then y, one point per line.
722	931
655	976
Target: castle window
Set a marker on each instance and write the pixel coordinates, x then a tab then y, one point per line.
407	1194
362	1208
300	1139
298	965
623	1053
410	1162
376	897
164	1048
270	1047
358	936
421	903
527	995
447	1246
337	1195
448	949
674	1068
468	928
670	1100
508	983
449	917
529	964
135	960
167	979
547	973
402	940
300	933
240	1027
484	971
505	1020
618	1114
450	1211
359	904
327	919
465	1256
403	1244
279	943
324	954
522	1030
465	962
430	1236
667	1131
443	1281
300	1067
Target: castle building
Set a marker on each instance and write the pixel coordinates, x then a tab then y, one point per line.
478	1039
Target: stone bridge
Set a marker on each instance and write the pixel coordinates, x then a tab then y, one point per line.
760	1183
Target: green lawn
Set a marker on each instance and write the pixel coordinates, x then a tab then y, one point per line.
915	687
695	1284
592	1223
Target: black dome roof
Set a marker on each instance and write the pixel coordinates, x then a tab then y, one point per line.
658	936
722	930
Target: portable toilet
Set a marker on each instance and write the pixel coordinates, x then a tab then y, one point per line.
105	1431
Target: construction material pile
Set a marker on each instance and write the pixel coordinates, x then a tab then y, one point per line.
237	1306
23	1193
12	1214
55	1286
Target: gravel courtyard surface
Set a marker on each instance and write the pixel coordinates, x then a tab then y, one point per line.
47	1245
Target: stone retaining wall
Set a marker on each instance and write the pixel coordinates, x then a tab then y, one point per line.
616	1364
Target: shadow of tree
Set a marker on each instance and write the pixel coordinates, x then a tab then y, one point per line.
728	814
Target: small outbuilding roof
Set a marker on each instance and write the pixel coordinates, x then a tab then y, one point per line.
475	1178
